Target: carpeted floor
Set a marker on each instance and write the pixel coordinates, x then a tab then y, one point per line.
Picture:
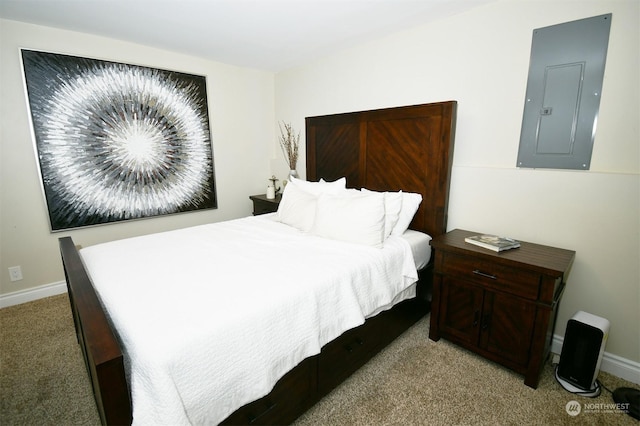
414	381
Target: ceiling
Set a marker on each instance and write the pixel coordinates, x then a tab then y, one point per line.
270	35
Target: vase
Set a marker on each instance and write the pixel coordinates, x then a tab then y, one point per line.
293	174
271	192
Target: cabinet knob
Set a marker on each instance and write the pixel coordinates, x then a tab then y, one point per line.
486	321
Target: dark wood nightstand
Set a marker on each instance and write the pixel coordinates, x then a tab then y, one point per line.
503	305
262	204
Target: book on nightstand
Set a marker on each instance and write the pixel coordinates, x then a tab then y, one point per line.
493	242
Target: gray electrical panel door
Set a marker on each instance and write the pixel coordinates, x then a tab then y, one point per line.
563	94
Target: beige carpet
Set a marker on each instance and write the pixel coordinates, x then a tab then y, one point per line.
413	382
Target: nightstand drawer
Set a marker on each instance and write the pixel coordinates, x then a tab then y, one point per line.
261	207
264	205
516	281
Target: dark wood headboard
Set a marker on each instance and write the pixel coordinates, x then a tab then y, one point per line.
405	148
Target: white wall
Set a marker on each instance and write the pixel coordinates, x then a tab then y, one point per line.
480	58
242	125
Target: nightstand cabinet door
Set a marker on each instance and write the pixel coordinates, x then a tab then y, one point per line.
461	311
507	327
494	322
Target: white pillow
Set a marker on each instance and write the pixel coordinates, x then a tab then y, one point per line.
297	208
353	217
410	203
321	187
392	207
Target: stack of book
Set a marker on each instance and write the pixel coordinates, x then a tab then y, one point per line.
493	242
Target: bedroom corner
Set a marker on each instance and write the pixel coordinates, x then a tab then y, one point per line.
480	58
240	102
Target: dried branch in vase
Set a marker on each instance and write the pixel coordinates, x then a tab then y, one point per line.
289	142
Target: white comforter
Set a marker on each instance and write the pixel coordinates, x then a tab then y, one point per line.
212	316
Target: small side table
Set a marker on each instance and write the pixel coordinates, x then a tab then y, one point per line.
502	306
263	205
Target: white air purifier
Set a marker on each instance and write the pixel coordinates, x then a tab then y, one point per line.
582	350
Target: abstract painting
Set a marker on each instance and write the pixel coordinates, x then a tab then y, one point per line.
116	142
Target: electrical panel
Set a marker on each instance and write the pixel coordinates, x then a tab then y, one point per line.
564	88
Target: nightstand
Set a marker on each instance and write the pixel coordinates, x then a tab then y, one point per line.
503	306
262	204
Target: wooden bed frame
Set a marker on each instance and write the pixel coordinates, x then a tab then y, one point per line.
405	148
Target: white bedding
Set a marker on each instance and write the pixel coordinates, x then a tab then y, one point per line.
420	247
226	309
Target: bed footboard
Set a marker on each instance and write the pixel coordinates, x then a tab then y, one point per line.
100	348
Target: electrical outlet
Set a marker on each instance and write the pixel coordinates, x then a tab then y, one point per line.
15	272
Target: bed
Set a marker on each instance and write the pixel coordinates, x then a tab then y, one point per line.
407	149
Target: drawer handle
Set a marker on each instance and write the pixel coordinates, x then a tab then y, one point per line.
483	274
270	406
357	341
476	317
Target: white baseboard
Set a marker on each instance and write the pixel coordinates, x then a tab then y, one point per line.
612	364
24	296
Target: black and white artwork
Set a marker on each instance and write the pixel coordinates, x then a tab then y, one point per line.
115	141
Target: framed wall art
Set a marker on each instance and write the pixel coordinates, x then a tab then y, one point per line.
117	142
